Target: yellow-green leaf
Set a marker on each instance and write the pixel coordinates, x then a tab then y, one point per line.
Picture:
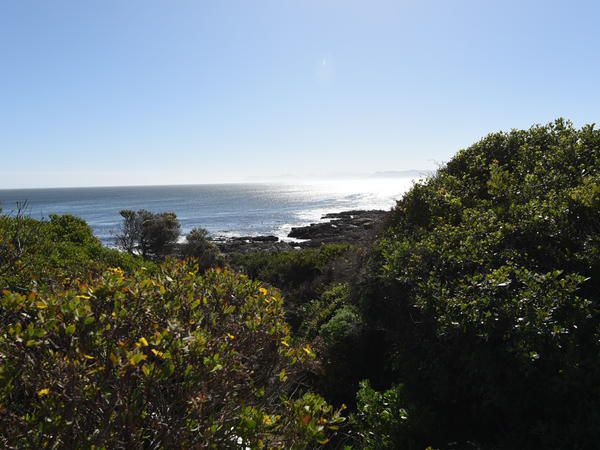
43	392
137	358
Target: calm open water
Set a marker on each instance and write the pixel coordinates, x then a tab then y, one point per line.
223	209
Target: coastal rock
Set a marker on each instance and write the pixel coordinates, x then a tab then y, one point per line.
346	226
269	238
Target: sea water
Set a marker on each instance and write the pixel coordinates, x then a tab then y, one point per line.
239	209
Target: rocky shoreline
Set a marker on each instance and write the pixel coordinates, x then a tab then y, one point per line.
348	226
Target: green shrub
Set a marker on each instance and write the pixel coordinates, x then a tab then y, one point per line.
319	311
346	322
36	253
381	420
316	284
484	293
173	359
199	247
302	275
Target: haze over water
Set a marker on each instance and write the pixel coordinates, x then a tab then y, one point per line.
223	209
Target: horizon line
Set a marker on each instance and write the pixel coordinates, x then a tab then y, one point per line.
275	180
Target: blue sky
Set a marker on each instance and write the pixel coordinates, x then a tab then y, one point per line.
159	92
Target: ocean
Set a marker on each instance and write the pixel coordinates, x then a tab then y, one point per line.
223	209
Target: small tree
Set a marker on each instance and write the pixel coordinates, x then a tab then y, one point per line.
17	234
199	246
147	233
131	231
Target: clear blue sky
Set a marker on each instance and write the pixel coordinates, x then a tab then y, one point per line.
105	92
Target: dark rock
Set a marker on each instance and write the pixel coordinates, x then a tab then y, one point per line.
346	226
269	238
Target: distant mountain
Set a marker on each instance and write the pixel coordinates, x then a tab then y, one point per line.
402	174
411	173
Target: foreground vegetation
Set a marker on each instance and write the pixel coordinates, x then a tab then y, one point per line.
150	356
471	322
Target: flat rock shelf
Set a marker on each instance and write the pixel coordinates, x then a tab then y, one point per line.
347	226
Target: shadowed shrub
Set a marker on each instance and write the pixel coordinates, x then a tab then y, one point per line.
484	294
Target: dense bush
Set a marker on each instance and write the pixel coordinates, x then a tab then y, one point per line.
174	360
197	245
302	275
381	419
316	284
484	294
36	253
337	329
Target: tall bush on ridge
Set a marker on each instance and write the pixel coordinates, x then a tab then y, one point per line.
36	254
484	294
